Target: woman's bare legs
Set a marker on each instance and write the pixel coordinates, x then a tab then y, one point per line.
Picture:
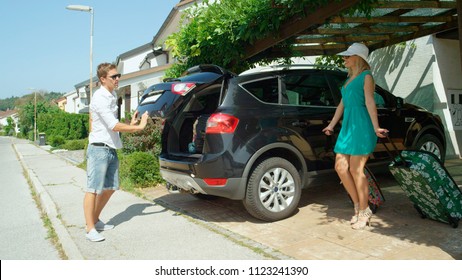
342	166
351	172
357	164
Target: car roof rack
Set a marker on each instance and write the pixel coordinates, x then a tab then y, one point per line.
270	68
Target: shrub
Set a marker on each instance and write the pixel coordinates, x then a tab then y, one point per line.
69	126
56	140
73	145
141	168
147	140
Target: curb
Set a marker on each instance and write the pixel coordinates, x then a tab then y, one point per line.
47	205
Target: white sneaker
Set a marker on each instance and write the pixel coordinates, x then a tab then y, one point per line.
94	236
100	226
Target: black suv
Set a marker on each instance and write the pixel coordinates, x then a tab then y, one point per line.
257	136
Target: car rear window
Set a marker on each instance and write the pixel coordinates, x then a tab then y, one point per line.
266	90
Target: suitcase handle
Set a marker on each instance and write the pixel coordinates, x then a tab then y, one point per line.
395	150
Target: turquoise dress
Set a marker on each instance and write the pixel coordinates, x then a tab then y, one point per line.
357	135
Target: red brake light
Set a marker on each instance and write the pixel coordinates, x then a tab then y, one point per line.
182	88
215	181
221	123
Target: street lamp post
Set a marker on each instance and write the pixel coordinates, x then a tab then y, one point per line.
91	11
35	116
35	113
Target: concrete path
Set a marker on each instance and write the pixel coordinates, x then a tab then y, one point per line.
143	229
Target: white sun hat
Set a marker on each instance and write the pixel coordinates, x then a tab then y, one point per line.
358	49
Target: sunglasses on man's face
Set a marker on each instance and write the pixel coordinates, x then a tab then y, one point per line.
115	76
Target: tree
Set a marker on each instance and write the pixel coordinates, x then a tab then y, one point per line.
9	128
13	102
27	106
8	103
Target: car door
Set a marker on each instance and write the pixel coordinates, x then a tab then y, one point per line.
308	106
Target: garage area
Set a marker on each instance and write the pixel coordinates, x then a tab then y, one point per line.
415	50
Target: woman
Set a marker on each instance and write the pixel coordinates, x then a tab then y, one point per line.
360	129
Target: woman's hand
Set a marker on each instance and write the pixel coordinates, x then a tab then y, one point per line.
328	130
381	132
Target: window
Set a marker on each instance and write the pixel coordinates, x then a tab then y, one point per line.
266	90
308	89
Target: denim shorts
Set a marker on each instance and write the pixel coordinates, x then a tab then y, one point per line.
102	169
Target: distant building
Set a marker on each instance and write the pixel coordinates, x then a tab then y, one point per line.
4	115
61	102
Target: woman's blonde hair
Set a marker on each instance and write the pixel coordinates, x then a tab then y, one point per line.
361	65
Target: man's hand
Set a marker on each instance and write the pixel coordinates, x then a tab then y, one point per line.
144	119
134	120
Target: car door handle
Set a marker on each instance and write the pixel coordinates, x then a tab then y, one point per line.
300	124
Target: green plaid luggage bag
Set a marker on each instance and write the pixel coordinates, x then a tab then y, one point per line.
428	185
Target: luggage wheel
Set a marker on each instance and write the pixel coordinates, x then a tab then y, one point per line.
454	222
421	213
373	208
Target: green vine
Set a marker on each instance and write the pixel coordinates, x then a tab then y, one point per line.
218	32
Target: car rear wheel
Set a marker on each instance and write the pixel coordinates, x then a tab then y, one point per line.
273	190
432	144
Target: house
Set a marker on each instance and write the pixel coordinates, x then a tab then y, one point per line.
140	68
4	115
61	102
146	65
77	99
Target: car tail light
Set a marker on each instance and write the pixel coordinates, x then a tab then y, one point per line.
215	181
221	123
182	88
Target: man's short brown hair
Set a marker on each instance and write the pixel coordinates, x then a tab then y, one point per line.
104	68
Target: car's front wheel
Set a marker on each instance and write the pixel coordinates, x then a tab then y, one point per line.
432	144
273	190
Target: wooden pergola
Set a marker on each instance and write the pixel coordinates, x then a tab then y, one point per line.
327	31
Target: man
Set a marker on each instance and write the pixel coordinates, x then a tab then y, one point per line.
104	139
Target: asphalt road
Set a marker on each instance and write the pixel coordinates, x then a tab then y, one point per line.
22	233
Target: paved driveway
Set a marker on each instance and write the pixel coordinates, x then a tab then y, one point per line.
321	231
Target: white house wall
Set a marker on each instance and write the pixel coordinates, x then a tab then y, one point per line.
132	63
411	70
450	73
76	102
71	102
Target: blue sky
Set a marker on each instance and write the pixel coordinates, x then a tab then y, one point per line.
47	47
